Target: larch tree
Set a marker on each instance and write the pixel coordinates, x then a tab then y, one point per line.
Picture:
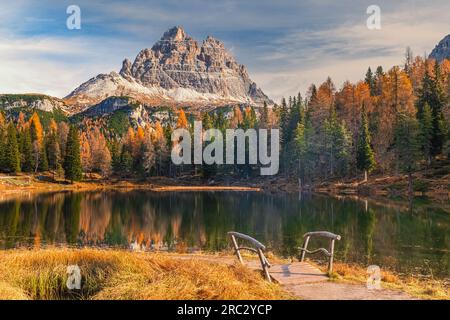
182	120
236	120
161	148
86	155
101	156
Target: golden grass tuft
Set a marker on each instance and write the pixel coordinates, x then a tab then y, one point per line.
416	286
116	274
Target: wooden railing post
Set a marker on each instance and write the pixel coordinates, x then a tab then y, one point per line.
236	249
305	247
330	263
264	265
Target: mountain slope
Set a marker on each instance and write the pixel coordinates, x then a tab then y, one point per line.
32	101
442	50
176	70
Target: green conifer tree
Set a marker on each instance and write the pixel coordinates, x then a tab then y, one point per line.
12	155
365	158
26	150
72	161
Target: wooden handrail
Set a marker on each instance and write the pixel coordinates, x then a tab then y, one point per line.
329	253
324	234
258	249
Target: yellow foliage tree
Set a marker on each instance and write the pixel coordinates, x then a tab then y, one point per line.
37	133
182	120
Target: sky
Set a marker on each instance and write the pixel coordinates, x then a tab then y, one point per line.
286	45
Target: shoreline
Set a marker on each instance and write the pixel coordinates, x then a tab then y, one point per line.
378	189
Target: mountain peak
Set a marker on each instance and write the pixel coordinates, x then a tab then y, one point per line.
174	34
442	50
176	70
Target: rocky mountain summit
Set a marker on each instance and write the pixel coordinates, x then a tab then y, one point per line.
176	70
442	50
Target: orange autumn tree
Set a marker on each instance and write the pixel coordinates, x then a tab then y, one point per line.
86	155
37	137
182	120
101	156
37	132
160	147
21	122
237	118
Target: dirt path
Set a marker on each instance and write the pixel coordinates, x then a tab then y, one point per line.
330	290
306	282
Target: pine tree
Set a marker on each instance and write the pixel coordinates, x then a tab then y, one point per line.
53	151
337	143
433	94
43	159
115	154
26	150
426	132
72	161
264	118
379	75
409	57
365	159
407	145
126	162
305	149
12	156
370	81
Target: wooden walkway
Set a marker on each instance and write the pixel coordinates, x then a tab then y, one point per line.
305	281
296	273
293	273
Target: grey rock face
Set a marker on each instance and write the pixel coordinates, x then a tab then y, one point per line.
177	69
442	50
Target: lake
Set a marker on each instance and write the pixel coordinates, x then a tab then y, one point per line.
390	234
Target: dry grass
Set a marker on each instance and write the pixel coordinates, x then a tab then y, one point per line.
416	286
115	274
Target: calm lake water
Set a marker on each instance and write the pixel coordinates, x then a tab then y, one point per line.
391	235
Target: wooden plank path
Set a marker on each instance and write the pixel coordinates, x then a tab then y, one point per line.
295	273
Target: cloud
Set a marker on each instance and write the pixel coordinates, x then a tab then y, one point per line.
346	51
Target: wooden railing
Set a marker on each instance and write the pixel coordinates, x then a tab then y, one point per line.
329	253
257	248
